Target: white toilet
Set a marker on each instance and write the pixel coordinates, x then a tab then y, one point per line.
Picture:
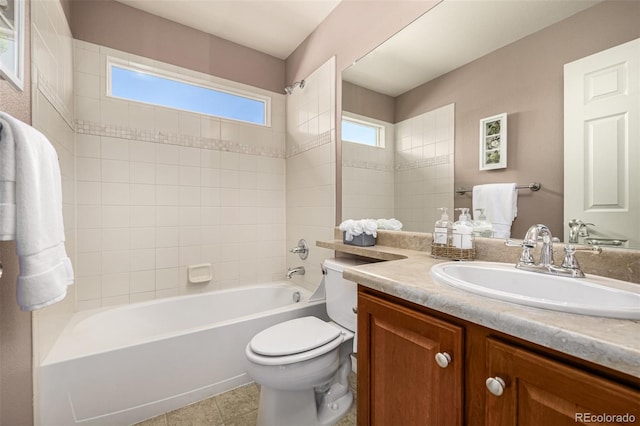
303	364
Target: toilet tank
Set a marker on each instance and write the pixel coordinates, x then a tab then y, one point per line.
341	295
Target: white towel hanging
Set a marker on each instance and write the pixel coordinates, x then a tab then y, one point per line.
31	199
500	204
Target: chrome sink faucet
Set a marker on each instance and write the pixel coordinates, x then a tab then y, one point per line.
569	267
531	241
577	229
299	270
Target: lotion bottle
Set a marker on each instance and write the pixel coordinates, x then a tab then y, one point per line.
481	226
463	231
442	230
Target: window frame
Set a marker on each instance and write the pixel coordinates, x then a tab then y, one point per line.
185	79
379	128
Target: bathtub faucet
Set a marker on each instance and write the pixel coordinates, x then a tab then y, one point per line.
299	270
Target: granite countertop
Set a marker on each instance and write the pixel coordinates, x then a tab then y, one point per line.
613	343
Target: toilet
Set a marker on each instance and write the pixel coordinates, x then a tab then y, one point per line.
303	365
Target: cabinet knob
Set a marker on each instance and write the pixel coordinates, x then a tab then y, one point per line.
495	385
443	359
354	310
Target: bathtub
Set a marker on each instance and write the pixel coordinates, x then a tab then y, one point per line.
121	365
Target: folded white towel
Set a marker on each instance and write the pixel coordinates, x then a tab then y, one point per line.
353	228
7	185
389	224
45	268
500	204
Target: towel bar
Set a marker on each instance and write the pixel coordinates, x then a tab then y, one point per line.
534	186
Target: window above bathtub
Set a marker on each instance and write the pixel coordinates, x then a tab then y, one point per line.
139	83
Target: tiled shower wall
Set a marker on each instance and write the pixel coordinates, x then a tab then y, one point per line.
53	114
311	170
368	177
408	179
424	168
160	189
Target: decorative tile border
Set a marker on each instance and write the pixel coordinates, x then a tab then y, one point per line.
311	142
96	129
425	162
368	165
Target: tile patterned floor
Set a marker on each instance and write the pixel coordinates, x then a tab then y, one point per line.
237	407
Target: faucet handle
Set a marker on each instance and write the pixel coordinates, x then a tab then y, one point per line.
570	261
513	243
526	257
583	230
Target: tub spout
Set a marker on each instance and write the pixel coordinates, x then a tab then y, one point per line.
299	270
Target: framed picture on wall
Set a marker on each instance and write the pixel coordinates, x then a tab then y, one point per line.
12	42
493	142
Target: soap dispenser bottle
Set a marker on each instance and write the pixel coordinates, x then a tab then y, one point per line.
462	233
481	226
441	234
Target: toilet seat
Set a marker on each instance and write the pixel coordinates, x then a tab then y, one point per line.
294	341
293	336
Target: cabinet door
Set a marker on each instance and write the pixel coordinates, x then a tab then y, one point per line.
540	391
399	381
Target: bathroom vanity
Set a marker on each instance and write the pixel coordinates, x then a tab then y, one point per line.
429	354
420	367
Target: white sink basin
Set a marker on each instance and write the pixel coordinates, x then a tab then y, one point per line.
592	295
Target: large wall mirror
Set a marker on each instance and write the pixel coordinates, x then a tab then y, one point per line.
414	105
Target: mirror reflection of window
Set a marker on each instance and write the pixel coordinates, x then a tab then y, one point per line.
362	132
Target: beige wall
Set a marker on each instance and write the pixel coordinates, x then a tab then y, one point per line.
525	80
15	326
368	103
112	24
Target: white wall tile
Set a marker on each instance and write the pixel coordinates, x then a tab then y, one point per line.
115	261
142	152
167	174
88	193
115	284
115	171
114	149
115	193
143	260
115	239
89	240
167	216
143	281
87	145
142	116
144	173
143	194
166	278
115	216
143	238
189	176
168	236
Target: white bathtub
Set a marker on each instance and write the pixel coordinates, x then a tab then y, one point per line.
121	365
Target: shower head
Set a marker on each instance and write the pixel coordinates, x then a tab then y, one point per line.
289	89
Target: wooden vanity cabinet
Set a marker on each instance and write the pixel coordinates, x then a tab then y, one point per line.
541	391
399	382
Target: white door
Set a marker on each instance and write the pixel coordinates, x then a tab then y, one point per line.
601	143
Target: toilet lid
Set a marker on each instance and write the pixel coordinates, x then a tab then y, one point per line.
294	336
